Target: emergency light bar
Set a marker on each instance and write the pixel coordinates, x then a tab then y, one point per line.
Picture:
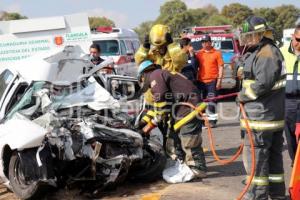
104	29
212	29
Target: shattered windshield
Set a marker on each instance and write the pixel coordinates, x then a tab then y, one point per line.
27	99
44	97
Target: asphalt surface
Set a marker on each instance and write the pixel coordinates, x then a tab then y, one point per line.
222	182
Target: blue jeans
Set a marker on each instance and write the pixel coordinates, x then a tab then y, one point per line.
208	90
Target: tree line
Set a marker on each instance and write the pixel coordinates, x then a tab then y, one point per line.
177	16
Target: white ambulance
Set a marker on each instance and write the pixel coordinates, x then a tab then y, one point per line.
120	44
20	39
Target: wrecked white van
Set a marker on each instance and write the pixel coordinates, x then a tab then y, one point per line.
60	127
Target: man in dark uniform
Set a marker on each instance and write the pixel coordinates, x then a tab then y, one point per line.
291	56
191	69
95	53
169	89
263	98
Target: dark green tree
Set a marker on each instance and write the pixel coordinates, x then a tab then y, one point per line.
6	16
286	18
199	16
100	21
170	9
174	13
236	12
287	15
271	16
143	29
211	9
217	19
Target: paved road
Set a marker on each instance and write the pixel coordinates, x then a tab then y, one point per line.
222	183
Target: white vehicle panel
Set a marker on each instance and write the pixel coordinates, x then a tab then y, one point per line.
21	134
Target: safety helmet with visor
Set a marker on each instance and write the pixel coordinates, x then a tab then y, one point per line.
253	30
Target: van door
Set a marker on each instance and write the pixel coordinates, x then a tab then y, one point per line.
132	69
122	63
7	79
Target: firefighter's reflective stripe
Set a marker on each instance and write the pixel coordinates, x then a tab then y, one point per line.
250	93
160	112
211	116
146	119
259	26
276	178
259	180
247	83
248	90
190	116
160	108
278	84
263	125
149	115
160	104
290	77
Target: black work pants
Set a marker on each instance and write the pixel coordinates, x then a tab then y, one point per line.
292	106
269	175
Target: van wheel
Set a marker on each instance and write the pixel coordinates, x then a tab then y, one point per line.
24	189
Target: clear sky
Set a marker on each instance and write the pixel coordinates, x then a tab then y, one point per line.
125	13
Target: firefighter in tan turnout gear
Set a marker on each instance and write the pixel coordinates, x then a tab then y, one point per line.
163	51
263	98
159	47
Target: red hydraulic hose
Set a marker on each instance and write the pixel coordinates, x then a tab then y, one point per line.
212	142
234	157
249	133
221	97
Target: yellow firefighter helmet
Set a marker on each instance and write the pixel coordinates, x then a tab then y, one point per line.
158	34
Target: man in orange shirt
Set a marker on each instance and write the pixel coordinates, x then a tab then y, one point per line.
210	74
